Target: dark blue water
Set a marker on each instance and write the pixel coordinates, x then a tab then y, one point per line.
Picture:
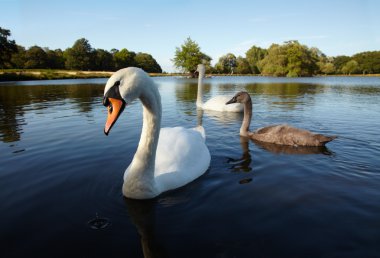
61	178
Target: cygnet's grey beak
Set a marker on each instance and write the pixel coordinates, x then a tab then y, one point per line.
233	100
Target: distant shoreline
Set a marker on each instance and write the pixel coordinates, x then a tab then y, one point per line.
46	74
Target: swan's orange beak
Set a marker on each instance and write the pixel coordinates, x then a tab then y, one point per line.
115	107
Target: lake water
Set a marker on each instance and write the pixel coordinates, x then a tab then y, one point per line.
61	177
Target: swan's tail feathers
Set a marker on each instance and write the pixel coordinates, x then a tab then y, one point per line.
201	130
323	139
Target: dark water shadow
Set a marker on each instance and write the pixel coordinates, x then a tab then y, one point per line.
142	215
292	150
242	164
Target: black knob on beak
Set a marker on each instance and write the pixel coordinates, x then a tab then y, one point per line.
106	102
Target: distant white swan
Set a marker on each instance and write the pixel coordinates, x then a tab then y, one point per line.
282	134
217	103
166	158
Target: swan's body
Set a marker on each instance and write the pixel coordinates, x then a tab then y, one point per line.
217	103
166	158
279	134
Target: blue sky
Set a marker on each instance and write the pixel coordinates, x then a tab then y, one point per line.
336	27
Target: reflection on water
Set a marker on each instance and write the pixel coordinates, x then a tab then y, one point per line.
187	91
299	150
199	117
15	101
143	216
59	172
242	164
285	90
223	117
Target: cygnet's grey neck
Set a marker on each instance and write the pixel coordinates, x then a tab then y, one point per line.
244	129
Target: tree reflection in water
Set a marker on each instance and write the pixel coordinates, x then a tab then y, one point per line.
15	101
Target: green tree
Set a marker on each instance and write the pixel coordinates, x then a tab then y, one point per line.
36	58
275	62
321	60
369	62
189	55
254	55
339	62
327	68
103	60
242	65
226	64
18	59
350	67
301	61
147	63
79	56
290	59
55	59
124	58
7	48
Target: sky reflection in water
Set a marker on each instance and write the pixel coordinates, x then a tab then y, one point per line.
58	172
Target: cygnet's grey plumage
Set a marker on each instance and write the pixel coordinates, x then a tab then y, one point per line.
279	134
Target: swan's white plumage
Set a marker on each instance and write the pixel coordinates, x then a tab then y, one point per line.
217	103
189	157
166	158
181	157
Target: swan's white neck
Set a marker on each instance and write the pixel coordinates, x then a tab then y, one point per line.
139	181
200	87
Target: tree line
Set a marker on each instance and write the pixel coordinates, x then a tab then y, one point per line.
81	56
290	59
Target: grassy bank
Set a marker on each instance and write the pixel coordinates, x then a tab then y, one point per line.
41	74
21	75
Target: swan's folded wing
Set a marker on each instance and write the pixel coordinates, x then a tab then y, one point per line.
181	157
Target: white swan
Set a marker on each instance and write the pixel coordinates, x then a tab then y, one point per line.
165	159
217	103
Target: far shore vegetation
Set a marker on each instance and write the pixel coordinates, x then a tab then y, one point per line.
53	74
290	59
49	74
